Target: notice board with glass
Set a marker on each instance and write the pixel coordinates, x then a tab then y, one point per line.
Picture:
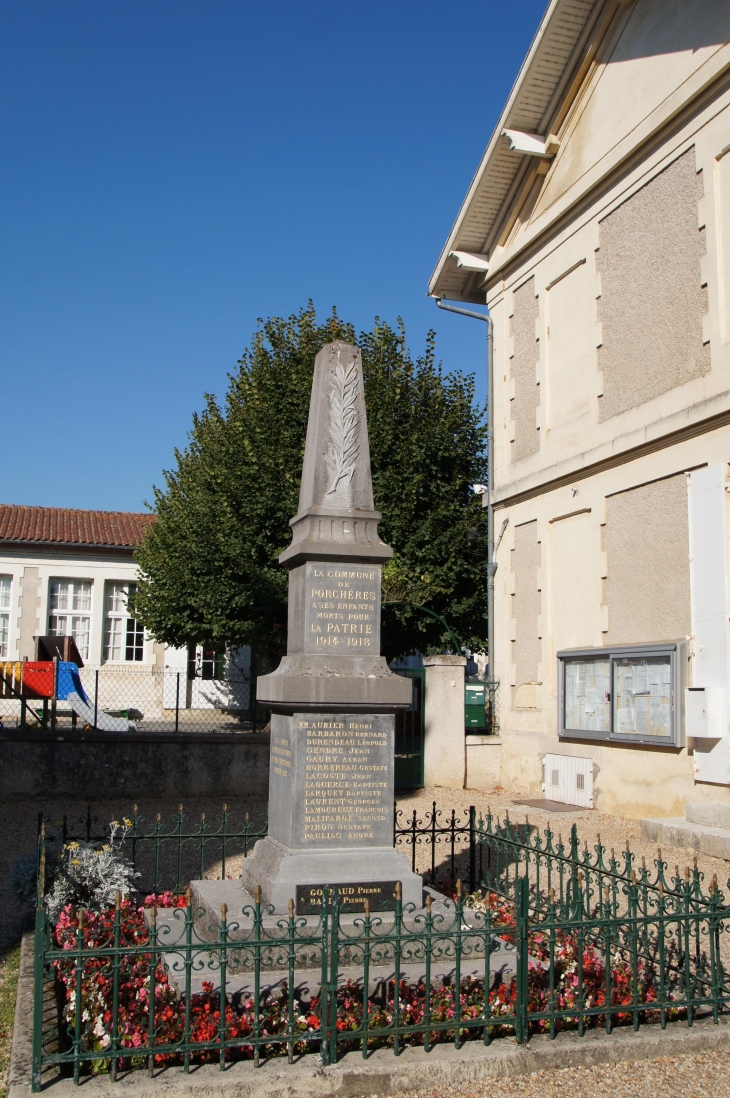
625	694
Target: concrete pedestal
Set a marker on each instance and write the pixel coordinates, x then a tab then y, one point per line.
444	759
285	874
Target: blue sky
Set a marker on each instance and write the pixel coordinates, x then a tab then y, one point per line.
171	171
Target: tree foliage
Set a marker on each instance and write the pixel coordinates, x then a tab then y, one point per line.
208	567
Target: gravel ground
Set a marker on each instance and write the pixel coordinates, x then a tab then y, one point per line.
703	1076
614	831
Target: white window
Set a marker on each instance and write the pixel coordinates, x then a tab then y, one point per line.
70	612
123	636
5	584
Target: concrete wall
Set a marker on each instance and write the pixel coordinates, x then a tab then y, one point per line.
628	277
614	569
135	766
483	762
444	755
29	604
663	53
32	567
633	299
634	782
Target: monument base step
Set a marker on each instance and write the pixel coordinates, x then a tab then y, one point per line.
681	832
282	873
273	949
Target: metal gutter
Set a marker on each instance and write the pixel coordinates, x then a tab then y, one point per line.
65	544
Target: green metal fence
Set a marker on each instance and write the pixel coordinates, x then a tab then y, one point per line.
166	853
554	937
410	731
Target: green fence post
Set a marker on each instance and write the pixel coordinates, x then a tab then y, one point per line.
23	702
472	848
334	975
54	699
324	976
574	847
39	946
522	896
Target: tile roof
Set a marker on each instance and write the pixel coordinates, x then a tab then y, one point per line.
60	526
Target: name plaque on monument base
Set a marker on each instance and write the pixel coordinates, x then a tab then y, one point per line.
352	897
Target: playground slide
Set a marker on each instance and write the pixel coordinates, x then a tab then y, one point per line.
103	722
35	679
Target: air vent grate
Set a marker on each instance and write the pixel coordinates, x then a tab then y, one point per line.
569	779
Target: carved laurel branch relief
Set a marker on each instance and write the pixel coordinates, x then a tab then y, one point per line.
344	444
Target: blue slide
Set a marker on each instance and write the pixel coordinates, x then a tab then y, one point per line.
71	691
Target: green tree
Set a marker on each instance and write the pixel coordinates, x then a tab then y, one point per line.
208	567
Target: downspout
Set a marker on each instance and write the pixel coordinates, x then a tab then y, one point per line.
492	564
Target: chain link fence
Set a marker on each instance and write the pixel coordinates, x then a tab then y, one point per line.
145	699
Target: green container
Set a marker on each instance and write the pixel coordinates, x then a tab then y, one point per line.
475	705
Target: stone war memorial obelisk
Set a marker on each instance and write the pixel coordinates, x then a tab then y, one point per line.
333	697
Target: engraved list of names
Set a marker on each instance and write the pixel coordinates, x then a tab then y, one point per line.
347	779
342	608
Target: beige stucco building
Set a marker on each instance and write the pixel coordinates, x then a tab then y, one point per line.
598	232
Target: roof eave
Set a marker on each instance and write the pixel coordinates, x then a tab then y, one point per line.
64	544
462	283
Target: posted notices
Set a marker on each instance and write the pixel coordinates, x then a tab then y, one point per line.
342	608
348	781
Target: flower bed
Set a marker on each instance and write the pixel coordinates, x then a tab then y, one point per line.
575	982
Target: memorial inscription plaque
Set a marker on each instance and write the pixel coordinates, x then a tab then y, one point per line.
342	792
342	610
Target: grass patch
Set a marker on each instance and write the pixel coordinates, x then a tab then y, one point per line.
9	966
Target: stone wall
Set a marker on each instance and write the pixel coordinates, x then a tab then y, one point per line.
107	773
135	766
